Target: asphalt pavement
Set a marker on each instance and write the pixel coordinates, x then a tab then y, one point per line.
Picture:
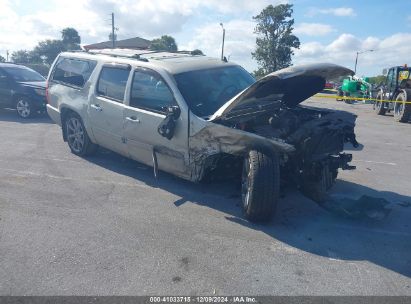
104	226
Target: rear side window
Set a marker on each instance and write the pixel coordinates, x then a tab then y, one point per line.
112	83
73	72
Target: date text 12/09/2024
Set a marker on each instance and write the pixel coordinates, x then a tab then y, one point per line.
200	299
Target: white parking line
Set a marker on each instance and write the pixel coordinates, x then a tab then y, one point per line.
373	231
374	162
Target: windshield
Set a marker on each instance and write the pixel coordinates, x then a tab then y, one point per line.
205	91
24	74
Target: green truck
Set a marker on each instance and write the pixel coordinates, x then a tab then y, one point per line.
354	87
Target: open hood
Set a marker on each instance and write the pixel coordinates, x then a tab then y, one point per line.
288	86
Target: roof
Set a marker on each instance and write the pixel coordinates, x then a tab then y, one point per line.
12	64
131	43
173	62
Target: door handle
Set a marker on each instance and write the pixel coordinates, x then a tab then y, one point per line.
96	107
133	119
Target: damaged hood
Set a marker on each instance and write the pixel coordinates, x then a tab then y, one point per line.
288	86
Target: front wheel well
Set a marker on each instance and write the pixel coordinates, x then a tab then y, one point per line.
17	97
222	166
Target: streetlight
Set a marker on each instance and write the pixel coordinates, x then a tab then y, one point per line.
222	47
356	59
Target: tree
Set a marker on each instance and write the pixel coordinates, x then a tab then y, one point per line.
2	59
49	49
197	52
165	43
24	57
275	40
377	79
70	38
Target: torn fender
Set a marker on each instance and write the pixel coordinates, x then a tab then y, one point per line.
215	139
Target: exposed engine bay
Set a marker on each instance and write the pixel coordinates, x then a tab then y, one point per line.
318	136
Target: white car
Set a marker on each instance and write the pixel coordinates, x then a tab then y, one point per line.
193	116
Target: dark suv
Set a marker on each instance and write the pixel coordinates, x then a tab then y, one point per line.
22	89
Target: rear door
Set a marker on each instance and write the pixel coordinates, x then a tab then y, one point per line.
150	96
106	108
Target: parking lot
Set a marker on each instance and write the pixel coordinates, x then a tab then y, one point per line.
104	226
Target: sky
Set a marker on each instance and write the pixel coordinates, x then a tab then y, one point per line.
329	30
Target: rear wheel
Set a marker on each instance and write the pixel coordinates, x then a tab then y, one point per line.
339	95
77	137
24	107
260	185
378	106
402	110
346	98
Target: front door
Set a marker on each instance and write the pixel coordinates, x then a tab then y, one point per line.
5	90
106	109
150	97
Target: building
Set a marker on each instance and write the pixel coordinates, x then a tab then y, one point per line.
135	43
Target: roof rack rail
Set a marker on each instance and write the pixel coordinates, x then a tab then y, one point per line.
133	54
121	53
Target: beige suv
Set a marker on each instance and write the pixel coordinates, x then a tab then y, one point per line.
195	117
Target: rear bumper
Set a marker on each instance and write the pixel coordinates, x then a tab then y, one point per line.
54	114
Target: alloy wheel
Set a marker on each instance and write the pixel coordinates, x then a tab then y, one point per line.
23	108
75	134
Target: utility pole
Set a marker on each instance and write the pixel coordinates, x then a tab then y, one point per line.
7	55
222	47
356	59
113	38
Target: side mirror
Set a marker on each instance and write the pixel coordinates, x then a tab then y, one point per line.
168	125
174	111
384	72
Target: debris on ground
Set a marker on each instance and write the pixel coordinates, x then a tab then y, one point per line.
365	207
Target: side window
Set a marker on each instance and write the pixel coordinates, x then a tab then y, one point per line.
73	72
3	80
112	83
391	78
149	91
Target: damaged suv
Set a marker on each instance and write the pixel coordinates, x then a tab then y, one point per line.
194	116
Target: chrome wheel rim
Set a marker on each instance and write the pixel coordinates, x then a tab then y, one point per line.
75	134
23	108
245	183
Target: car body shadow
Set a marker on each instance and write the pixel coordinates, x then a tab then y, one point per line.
10	115
299	222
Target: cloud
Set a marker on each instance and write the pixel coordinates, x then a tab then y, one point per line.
239	41
313	29
23	28
337	11
389	51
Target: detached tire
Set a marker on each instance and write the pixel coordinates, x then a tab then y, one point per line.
77	138
402	110
260	185
378	105
316	187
